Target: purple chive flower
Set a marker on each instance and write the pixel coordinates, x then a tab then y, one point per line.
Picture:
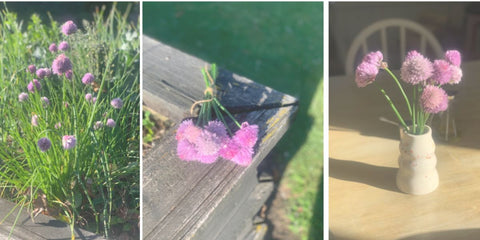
188	131
63	46
69	28
66	104
187	135
22	97
45	101
453	57
365	74
87	78
31	68
69	74
34	84
44	144
434	99
117	103
88	97
442	72
41	73
68	142
48	72
58	125
34	120
456	74
94	99
98	125
416	68
211	140
240	148
53	48
374	58
61	64
186	150
111	123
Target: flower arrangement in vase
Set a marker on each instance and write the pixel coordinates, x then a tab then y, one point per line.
417	172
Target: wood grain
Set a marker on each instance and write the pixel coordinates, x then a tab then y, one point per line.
187	200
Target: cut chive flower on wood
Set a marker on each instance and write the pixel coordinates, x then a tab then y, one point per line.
208	137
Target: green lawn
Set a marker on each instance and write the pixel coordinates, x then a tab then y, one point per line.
279	45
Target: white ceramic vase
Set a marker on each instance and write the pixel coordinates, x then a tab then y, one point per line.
417	173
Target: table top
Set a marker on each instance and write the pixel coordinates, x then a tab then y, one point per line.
181	198
364	202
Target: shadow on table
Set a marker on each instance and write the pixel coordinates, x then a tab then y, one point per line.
375	176
459	234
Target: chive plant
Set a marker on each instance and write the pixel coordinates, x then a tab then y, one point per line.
69	140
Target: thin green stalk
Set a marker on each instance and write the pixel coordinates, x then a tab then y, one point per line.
401	90
227	112
392	106
414	123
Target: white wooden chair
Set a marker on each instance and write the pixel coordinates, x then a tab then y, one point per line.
360	41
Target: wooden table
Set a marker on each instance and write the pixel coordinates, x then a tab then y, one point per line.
364	202
191	200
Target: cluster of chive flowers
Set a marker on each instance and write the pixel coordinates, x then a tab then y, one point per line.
62	68
206	144
419	71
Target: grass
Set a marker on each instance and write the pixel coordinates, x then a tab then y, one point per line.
279	45
95	184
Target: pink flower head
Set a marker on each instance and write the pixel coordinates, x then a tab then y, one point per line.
111	123
247	135
416	68
34	84
48	72
198	144
69	74
53	48
61	64
34	120
240	148
68	142
94	99
211	139
434	99
58	125
453	57
456	74
117	103
412	54
41	73
31	68
69	28
63	46
45	101
98	125
374	58
88	97
365	74
44	144
188	131
442	72
87	78
22	97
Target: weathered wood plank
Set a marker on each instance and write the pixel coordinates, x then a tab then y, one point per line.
45	227
179	198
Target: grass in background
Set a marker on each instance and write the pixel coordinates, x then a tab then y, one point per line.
279	45
95	184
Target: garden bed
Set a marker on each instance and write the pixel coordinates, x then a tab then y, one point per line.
69	136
